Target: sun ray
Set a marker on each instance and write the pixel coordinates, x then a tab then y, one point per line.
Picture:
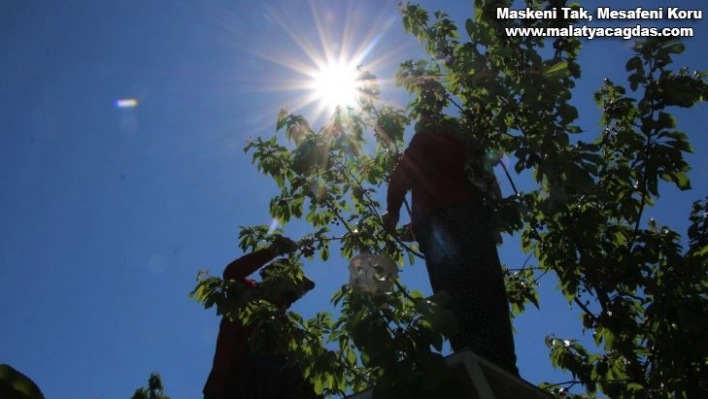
332	57
321	33
312	54
304	45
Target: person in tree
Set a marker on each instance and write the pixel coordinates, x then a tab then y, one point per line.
238	372
451	222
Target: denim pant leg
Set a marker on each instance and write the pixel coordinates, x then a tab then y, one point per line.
462	259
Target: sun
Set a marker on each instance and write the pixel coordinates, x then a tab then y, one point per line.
336	84
324	56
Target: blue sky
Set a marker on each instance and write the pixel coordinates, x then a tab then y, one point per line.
107	214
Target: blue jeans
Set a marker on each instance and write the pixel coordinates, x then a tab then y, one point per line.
461	258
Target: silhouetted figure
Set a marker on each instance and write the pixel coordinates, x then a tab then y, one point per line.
238	372
452	226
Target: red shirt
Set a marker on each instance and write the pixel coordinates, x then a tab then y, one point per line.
433	168
233	338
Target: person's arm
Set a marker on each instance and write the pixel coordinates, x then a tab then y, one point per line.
242	267
403	175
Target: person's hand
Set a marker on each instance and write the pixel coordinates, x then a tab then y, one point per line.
389	222
282	246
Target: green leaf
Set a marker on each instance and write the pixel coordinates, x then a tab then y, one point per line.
319	386
680	179
633	386
15	385
634	64
440	318
281	120
415	294
675	48
557	69
351	357
469	26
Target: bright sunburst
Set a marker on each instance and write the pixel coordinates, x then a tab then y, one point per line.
335	84
317	53
322	52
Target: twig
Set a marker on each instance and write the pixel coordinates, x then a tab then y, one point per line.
570	384
522	269
585	308
339	216
508	176
370	202
575	298
408	208
529	258
542	274
403	290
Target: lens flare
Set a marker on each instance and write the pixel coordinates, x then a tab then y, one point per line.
126	103
274	226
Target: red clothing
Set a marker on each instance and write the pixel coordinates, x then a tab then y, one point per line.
433	168
233	338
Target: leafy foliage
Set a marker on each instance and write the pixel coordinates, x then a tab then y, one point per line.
639	286
329	182
154	390
15	385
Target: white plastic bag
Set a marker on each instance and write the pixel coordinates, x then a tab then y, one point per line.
371	273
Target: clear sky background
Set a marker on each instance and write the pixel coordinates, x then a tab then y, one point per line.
107	213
